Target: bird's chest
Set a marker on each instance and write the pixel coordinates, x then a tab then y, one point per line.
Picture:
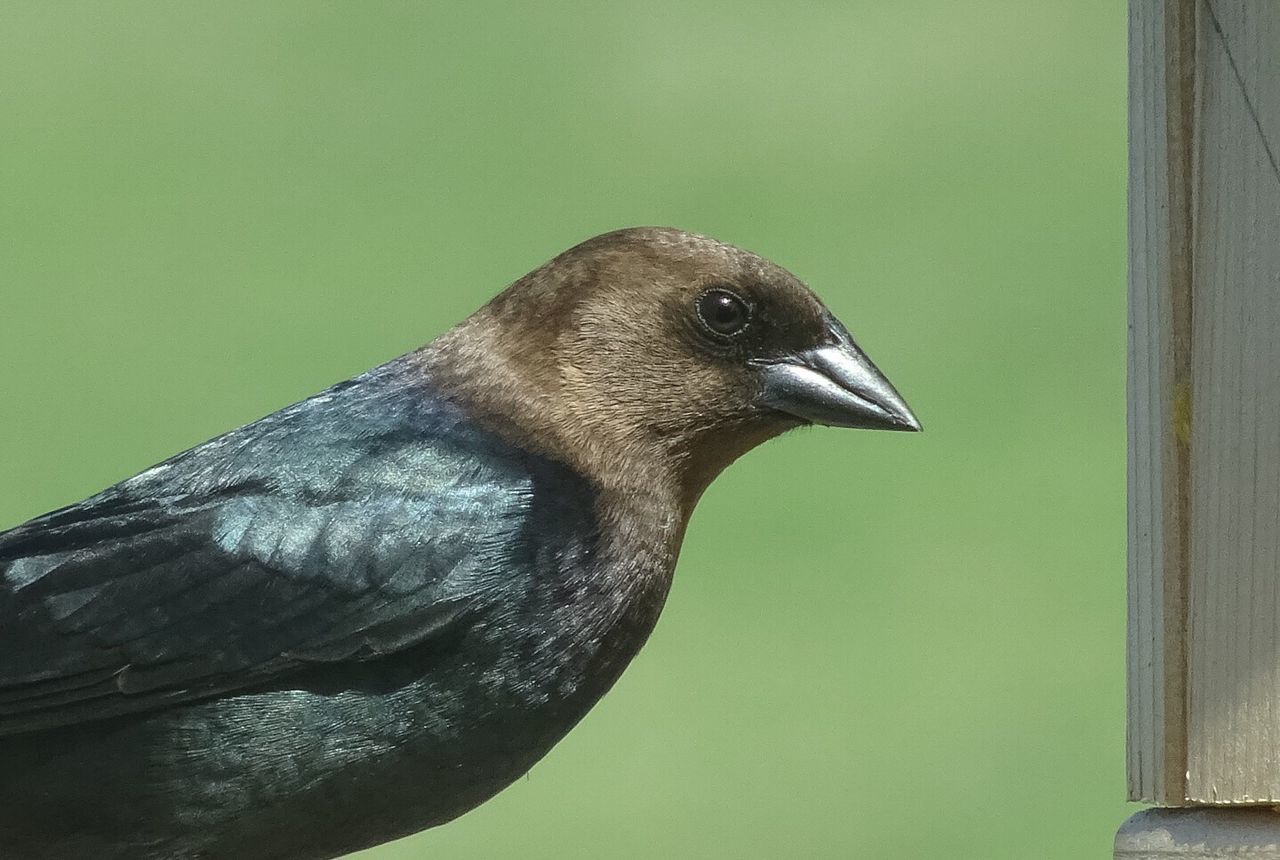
573	637
483	715
439	727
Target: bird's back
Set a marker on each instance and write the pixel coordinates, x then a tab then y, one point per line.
284	636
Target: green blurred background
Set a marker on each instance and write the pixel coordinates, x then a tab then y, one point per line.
878	645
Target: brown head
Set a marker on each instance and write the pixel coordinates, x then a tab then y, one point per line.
651	358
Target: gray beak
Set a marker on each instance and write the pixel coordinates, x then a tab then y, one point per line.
834	384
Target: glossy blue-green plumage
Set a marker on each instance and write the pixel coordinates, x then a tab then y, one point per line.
351	577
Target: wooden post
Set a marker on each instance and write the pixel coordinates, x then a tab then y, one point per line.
1204	413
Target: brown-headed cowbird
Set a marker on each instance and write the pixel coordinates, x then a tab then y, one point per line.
369	612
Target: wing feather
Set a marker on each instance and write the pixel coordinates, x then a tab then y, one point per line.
349	526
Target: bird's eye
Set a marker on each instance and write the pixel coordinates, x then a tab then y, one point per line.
722	312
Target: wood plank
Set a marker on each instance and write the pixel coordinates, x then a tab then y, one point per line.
1161	50
1233	686
1204	402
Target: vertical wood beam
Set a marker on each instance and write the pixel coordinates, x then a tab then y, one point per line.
1204	402
1233	672
1161	98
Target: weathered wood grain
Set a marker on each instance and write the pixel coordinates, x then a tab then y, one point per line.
1161	50
1233	640
1204	402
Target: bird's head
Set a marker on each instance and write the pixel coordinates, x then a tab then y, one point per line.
653	346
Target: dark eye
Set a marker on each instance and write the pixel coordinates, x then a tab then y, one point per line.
723	312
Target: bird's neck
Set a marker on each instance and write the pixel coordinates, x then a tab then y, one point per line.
513	389
642	504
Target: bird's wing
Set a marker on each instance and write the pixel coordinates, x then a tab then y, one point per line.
350	526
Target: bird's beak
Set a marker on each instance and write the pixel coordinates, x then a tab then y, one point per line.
834	383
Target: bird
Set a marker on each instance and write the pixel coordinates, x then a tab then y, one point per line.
367	613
